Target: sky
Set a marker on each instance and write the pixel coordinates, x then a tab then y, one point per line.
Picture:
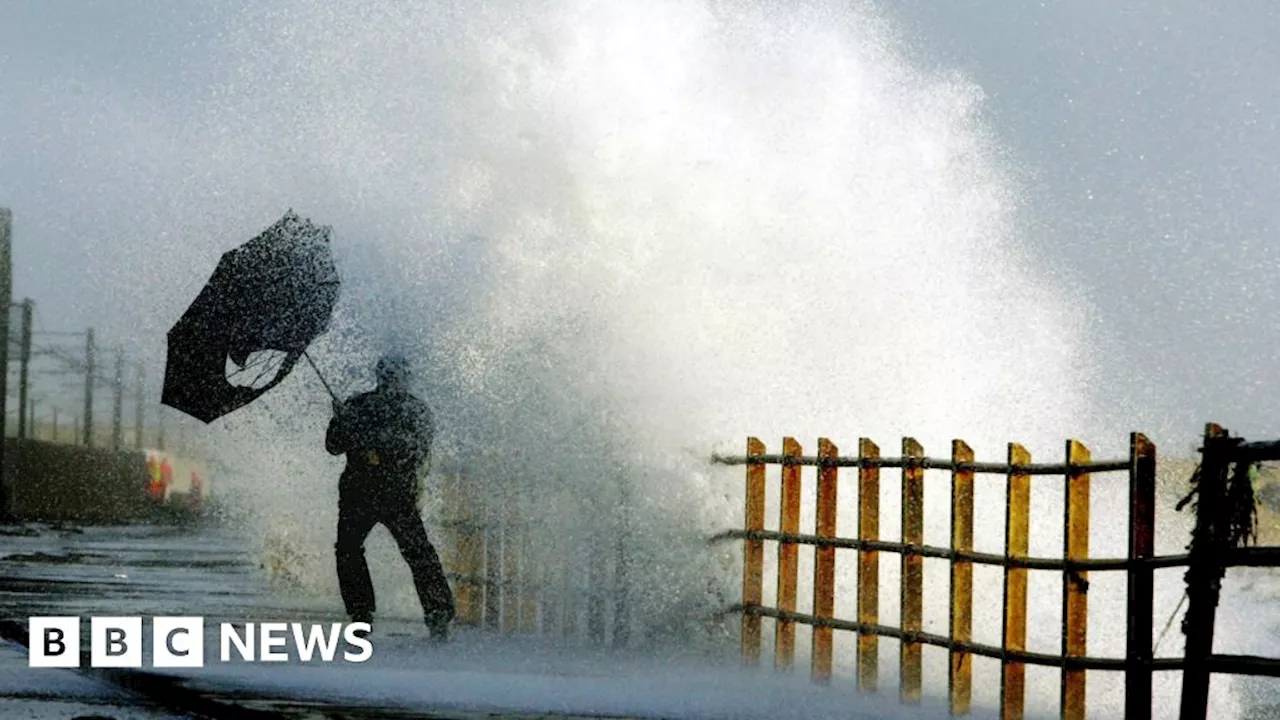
1143	138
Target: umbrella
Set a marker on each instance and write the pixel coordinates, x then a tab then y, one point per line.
265	303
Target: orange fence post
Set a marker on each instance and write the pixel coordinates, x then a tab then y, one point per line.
469	549
960	669
753	555
492	562
1075	583
788	557
1017	533
912	585
824	562
868	566
1142	544
511	589
529	596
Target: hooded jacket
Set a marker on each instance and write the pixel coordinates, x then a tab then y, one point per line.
386	436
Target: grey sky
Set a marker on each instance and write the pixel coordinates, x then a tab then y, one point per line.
1145	136
1149	135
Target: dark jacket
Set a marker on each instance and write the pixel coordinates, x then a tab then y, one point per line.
386	436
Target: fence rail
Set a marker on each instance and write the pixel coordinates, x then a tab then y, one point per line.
1206	560
1075	564
1238	557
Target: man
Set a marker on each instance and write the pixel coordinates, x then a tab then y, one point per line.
386	435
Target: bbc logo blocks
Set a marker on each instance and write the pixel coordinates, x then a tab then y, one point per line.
55	642
116	642
179	642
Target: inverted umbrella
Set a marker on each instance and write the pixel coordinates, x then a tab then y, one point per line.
266	301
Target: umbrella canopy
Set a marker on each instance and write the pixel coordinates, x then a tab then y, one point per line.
274	293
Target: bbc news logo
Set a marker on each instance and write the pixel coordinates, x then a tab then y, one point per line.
179	642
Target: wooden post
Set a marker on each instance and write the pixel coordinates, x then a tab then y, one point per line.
868	565
466	565
1075	583
117	402
6	298
596	583
88	388
912	585
25	421
622	567
960	669
492	560
568	593
551	601
753	555
511	589
139	388
1203	575
788	557
824	562
1017	535
621	593
528	583
1141	605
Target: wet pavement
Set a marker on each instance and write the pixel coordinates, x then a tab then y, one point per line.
169	571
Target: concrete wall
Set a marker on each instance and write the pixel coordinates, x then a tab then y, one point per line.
50	482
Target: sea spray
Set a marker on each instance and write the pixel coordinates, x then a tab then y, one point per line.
617	238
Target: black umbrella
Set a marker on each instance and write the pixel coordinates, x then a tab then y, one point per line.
265	303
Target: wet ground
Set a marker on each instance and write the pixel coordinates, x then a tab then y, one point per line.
167	571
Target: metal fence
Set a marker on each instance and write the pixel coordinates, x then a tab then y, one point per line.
1077	468
508	579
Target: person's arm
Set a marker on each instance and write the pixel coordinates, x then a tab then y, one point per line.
337	439
423	433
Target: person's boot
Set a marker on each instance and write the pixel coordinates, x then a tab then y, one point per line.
438	627
363	617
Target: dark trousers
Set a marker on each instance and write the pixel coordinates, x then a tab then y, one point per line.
358	511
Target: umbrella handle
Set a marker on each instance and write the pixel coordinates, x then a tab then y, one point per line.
319	375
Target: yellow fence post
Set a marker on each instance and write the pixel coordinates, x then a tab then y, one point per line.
824	562
788	557
549	599
1017	534
1075	583
753	555
912	585
468	548
868	565
451	531
960	669
511	587
529	595
492	559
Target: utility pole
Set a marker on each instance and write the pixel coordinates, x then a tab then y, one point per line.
55	423
117	402
160	429
88	389
137	409
31	418
24	358
6	298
